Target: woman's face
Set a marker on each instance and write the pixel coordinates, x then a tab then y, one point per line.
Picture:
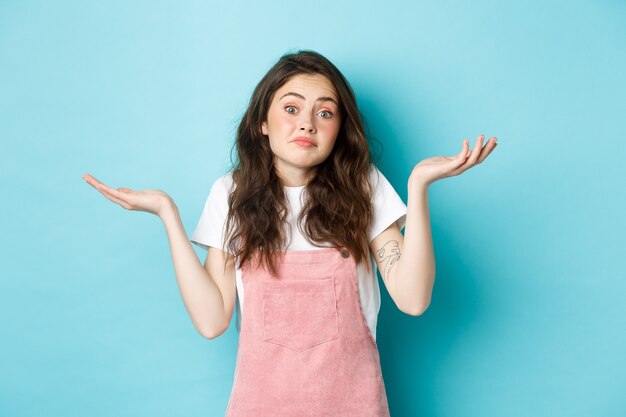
302	125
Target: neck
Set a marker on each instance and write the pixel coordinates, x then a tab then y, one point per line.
295	177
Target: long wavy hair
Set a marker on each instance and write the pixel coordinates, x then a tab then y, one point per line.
337	207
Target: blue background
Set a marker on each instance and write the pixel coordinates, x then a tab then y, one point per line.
528	315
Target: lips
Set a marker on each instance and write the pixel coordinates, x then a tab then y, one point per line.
304	141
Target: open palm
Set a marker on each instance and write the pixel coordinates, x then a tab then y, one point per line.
438	167
152	201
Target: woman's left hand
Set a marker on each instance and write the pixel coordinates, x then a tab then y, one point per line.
438	167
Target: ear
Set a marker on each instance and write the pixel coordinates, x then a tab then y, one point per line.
264	128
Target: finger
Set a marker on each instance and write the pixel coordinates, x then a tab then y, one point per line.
115	192
465	151
97	184
94	182
474	154
464	159
462	156
471	160
91	180
119	201
490	146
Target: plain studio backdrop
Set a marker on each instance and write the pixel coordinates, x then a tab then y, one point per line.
528	315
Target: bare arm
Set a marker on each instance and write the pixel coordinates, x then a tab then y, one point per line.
208	292
407	264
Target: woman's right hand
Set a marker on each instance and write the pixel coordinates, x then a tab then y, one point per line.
152	201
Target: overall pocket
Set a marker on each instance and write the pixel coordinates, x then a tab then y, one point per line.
300	314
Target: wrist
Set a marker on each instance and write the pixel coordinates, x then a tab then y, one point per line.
416	182
168	209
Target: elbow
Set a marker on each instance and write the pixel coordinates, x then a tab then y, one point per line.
211	333
208	335
417	310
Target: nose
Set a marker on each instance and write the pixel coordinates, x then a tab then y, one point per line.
306	124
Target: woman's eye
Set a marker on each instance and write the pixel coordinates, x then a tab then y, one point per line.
289	108
326	114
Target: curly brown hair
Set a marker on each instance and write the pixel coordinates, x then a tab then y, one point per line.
337	209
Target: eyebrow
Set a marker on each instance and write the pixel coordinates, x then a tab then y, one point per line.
291	93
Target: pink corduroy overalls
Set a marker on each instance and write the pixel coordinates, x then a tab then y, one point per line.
305	349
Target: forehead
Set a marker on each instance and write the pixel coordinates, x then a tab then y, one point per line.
309	85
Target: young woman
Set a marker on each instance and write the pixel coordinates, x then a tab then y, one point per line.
297	230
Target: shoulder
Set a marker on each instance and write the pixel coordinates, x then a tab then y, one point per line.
374	174
222	186
216	203
387	204
380	183
224	182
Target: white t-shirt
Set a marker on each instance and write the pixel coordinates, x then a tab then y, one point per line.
388	208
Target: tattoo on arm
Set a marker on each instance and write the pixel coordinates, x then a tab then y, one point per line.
388	256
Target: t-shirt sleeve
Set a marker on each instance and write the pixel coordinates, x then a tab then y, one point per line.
210	227
388	206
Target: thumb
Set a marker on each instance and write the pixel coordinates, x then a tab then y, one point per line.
465	152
